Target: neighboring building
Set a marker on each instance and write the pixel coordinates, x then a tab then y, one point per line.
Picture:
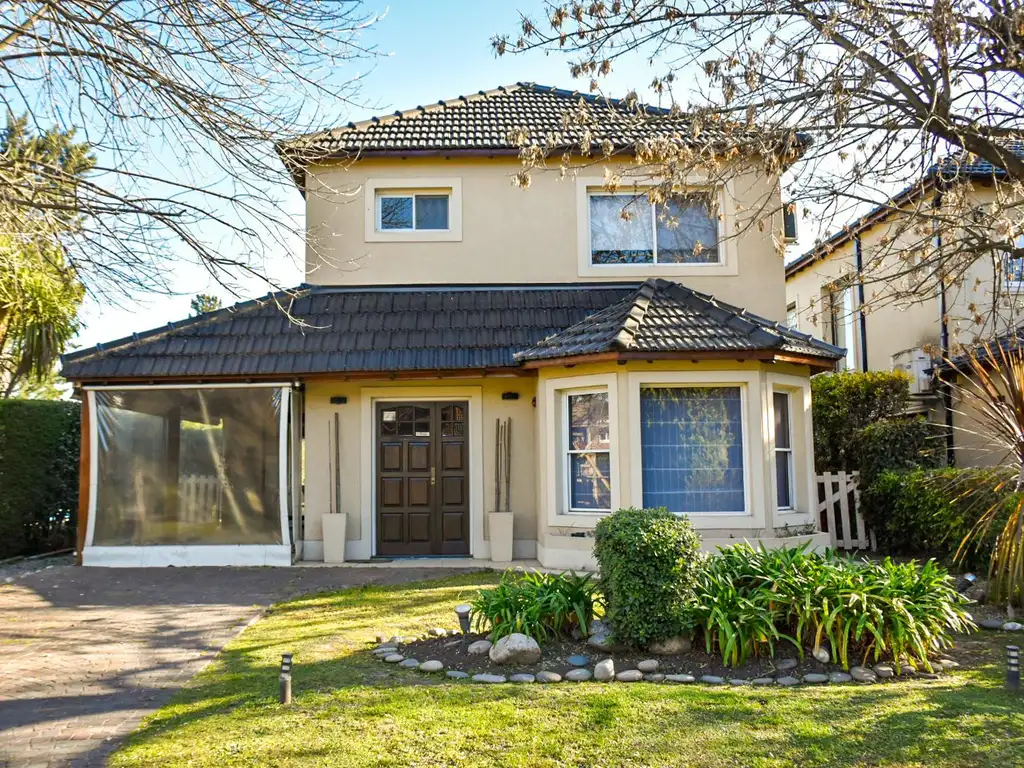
441	302
881	330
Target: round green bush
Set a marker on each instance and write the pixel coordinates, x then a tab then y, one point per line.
649	559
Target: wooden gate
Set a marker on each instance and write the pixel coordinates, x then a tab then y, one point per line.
839	511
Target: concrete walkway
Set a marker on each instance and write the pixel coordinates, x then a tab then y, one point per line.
86	653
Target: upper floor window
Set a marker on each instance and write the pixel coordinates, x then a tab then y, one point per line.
628	229
792	316
399	212
1013	266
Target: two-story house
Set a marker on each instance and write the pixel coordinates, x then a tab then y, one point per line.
463	347
858	289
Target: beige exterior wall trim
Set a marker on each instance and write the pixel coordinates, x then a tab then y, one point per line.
414	184
728	256
754	453
363	549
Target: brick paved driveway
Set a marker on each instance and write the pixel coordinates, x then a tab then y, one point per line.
85	653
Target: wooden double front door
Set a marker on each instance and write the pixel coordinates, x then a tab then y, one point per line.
422	478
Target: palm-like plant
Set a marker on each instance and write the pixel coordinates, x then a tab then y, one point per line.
989	386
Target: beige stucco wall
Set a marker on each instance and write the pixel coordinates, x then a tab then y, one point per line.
513	235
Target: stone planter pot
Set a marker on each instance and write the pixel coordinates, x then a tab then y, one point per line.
334	537
500	526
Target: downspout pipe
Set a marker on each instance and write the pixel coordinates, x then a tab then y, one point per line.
858	254
945	390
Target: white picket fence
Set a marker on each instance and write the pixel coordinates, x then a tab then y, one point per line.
839	511
199	498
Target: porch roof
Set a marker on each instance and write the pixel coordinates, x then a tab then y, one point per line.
317	330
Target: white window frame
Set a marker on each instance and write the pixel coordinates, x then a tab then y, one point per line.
1016	286
801	430
776	450
793	312
568	451
410	186
752	424
414	196
728	261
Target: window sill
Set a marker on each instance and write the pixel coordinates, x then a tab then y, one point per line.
415	236
655	270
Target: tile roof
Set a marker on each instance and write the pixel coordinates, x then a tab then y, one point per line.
382	330
958	166
662	316
484	121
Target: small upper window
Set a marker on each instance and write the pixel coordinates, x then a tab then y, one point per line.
792	318
626	229
412	212
1013	266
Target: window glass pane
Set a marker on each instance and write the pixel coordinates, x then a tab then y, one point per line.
792	318
691	444
188	466
782	436
615	240
783	474
431	211
395	213
590	486
687	232
588	422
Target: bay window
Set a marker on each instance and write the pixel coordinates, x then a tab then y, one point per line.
588	457
692	449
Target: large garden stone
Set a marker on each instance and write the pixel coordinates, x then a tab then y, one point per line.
431	666
1012	626
763	681
522	677
578	675
578	660
839	677
681	678
738	681
515	649
630	676
602	642
488	678
822	655
784	665
991	623
385	650
671	646
604	670
884	671
863	674
654	677
437	632
456	674
393	658
544	676
479	648
712	679
409	663
598	627
648	665
788	681
948	664
815	679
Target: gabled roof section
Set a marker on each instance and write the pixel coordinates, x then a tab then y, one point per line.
959	166
665	317
487	121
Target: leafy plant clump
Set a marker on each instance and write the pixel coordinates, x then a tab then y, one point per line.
541	605
649	560
747	599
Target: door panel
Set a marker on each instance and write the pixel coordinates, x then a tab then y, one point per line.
422	479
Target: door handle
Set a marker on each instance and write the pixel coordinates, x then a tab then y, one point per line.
433	475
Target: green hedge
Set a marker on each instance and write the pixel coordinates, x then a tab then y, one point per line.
649	560
39	442
929	512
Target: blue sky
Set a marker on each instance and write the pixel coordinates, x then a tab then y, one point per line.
437	49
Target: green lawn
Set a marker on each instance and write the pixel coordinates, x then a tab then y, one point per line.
351	711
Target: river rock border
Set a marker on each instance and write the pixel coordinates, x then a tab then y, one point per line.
389	652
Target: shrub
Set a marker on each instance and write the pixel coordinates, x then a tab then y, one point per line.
39	442
649	560
896	444
933	511
537	604
747	599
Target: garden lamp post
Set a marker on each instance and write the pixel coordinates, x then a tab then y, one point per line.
286	678
1013	668
462	611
